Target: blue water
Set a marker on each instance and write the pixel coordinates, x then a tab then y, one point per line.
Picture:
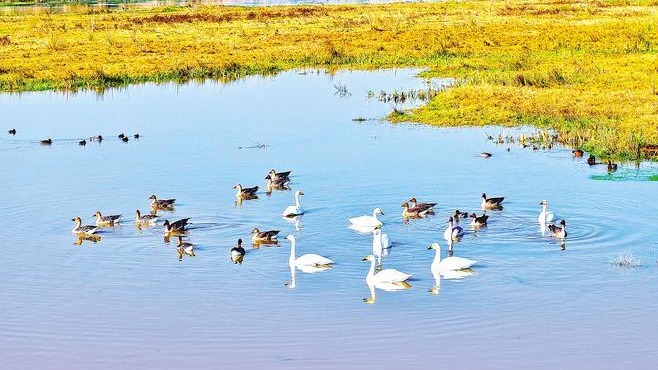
128	302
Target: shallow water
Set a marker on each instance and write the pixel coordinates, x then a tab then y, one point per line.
127	301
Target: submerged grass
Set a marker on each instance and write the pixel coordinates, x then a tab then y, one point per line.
586	69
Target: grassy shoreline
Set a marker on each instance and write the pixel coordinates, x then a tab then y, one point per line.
586	69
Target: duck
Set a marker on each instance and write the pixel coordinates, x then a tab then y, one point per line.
176	226
258	236
79	229
368	221
166	204
246	193
427	207
577	153
98	138
459	215
545	215
121	135
383	276
147	219
109	220
413	212
279	183
184	247
591	160
82	142
125	139
309	259
479	220
612	167
136	136
12	131
491	203
485	154
296	210
279	176
237	252
452	231
46	141
449	263
559	231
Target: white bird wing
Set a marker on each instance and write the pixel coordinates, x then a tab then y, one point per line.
292	211
456	263
390	276
312	259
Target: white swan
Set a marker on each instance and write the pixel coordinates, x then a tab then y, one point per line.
367	221
453	232
448	264
545	215
377	246
296	210
383	276
310	259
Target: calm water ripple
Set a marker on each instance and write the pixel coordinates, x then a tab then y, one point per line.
127	301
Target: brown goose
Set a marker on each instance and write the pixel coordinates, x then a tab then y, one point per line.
424	207
176	226
245	193
612	167
479	221
412	212
559	232
109	220
279	183
166	204
148	219
264	236
577	153
491	203
184	247
591	160
279	176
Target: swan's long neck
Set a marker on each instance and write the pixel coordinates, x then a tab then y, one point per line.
374	215
297	200
437	258
376	242
291	260
371	272
543	212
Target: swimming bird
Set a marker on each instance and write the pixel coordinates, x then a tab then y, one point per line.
383	276
612	167
449	263
545	215
559	232
237	252
309	259
459	215
82	142
479	220
176	226
79	229
108	220
98	138
147	219
136	136
452	231
184	247
279	176
46	141
166	204
577	153
121	135
296	210
591	160
428	207
246	193
124	139
12	131
485	154
279	183
413	212
368	221
491	203
264	236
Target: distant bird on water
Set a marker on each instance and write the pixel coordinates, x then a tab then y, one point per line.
46	141
12	131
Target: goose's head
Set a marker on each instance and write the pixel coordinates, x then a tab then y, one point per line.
272	172
237	186
378	211
563	223
290	238
97	214
434	246
405	205
153	197
268	177
255	230
138	213
413	200
473	215
369	257
76	219
239	242
484	196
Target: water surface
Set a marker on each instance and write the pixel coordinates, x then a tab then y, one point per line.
127	301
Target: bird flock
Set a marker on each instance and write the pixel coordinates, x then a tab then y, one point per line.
377	276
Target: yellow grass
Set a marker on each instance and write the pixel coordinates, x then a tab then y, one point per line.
587	69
